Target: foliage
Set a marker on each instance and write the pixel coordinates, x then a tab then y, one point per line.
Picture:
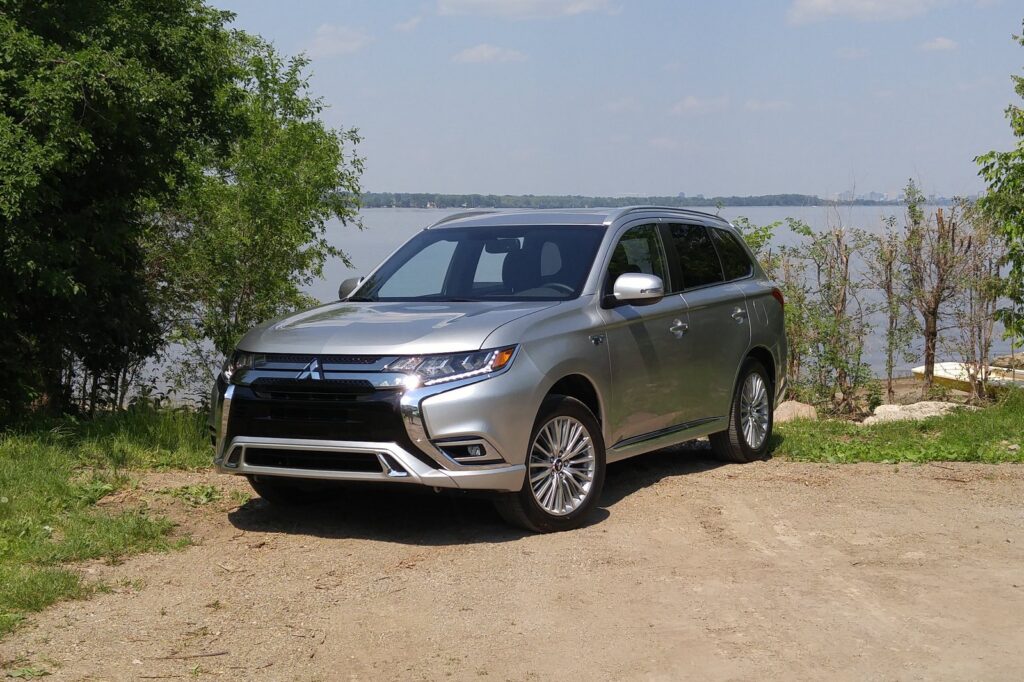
837	316
985	435
935	251
239	248
1004	202
103	104
826	321
884	269
976	301
53	473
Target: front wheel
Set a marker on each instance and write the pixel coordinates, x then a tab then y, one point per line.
750	418
564	469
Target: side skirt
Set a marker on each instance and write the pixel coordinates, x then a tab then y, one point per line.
662	438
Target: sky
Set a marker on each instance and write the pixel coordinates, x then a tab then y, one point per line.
658	97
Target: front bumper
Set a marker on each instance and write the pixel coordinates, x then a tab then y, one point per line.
395	464
411	441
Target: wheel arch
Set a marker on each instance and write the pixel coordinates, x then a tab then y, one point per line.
581	388
765	357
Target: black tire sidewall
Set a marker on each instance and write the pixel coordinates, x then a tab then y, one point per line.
559	406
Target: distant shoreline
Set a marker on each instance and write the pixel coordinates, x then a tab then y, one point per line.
430	200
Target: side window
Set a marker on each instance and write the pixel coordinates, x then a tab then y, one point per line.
637	251
735	261
698	259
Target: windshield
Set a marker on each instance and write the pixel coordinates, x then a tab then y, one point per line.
506	263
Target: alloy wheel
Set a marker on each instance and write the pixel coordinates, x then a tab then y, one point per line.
754	410
562	466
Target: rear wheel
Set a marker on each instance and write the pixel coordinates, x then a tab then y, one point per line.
564	469
750	417
281	491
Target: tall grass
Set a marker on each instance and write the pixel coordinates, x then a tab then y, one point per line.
52	474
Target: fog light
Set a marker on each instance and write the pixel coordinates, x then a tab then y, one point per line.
475	451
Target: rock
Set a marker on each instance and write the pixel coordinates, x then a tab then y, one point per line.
1013	448
921	410
1009	361
791	409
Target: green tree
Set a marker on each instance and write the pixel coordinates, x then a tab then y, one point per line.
934	256
102	104
1004	202
239	248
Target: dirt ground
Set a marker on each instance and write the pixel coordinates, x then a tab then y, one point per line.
690	570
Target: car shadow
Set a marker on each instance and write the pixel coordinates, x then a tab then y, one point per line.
421	517
631	475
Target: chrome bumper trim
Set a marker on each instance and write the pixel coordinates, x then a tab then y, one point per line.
507	478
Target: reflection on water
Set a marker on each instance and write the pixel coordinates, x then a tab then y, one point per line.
387	228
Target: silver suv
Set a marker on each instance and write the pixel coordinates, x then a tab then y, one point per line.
515	353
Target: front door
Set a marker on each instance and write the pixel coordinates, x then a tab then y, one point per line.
643	344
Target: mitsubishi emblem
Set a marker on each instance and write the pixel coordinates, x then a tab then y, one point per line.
311	371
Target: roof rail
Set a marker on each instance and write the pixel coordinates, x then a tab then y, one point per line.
462	214
674	209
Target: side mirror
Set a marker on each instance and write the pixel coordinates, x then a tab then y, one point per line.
636	287
348	286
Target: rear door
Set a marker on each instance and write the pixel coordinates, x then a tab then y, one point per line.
718	334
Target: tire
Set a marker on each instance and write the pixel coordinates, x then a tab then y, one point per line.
565	482
281	491
735	443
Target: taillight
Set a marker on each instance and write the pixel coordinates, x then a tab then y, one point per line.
777	295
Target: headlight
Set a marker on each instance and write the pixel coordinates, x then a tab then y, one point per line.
236	361
427	370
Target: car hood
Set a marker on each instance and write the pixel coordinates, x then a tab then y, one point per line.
358	328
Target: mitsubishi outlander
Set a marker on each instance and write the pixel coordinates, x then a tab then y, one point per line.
516	353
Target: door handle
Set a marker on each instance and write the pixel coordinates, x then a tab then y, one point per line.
739	314
679	328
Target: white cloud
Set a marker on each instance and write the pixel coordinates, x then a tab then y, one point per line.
767	105
700	105
330	40
852	53
938	44
803	11
524	9
409	24
484	52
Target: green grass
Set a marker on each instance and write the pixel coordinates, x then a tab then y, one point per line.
984	435
52	474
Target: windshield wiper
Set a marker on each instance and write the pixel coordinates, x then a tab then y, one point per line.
360	299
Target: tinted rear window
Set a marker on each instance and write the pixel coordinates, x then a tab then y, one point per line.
735	261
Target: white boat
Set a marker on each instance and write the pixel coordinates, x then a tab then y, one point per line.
957	375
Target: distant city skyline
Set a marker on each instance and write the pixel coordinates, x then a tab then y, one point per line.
654	97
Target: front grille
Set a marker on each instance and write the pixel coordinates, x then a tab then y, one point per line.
320	413
313	460
274	360
297	389
371	417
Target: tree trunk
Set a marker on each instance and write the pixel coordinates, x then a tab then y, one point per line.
931	333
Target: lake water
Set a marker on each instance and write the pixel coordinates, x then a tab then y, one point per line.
387	228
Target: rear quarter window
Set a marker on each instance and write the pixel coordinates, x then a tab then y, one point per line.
735	261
